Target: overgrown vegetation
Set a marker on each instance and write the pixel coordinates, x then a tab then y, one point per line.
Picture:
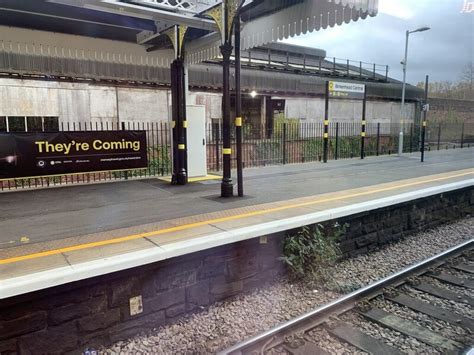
310	251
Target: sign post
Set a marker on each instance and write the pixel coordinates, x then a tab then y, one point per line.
426	108
342	90
363	129
326	122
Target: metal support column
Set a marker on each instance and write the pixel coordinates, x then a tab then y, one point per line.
326	124
178	104
238	108
227	188
179	125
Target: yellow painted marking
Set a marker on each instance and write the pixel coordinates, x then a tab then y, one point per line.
24	240
326	135
185	124
362	134
326	122
173	124
238	121
226	151
181	146
424	123
194	179
363	123
219	220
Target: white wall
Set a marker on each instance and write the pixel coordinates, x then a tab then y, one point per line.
312	109
83	102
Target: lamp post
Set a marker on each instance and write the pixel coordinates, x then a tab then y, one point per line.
402	107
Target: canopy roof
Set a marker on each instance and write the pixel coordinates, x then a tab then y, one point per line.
145	21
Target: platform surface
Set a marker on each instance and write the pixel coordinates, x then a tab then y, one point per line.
85	231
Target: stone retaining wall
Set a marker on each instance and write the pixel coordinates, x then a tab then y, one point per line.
84	314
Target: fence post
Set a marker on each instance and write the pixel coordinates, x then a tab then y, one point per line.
462	135
336	153
378	139
411	137
362	133
216	130
439	135
283	141
326	124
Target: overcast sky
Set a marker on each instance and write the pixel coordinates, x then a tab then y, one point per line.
441	52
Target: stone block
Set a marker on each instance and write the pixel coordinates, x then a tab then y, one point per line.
98	321
53	340
122	290
74	311
76	295
241	268
23	325
125	330
8	347
175	310
212	266
164	300
183	278
197	295
221	289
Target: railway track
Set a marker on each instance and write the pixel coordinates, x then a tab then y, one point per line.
430	303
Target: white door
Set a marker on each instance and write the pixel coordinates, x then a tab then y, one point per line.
196	139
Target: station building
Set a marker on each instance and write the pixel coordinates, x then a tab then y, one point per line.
44	85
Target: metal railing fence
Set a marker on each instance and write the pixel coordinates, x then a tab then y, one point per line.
285	143
158	154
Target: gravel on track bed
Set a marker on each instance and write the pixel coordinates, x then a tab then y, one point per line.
226	323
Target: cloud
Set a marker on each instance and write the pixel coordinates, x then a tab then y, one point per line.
441	52
396	9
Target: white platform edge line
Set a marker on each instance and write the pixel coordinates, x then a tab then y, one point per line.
55	277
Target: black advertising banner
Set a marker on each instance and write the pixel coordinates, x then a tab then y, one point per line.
42	154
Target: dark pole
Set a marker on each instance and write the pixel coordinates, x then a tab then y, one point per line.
182	177
178	102
326	124
238	108
378	139
439	135
227	189
174	114
462	135
336	152
183	153
362	134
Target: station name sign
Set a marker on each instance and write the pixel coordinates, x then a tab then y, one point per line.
341	90
38	154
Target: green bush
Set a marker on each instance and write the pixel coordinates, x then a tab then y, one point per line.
309	252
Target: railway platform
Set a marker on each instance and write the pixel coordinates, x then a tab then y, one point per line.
56	236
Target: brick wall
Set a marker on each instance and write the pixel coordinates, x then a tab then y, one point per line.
72	317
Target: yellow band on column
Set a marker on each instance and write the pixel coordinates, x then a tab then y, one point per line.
226	151
173	124
326	122
181	146
185	124
326	135
362	134
363	122
424	123
238	121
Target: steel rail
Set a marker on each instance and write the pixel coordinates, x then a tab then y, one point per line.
265	338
